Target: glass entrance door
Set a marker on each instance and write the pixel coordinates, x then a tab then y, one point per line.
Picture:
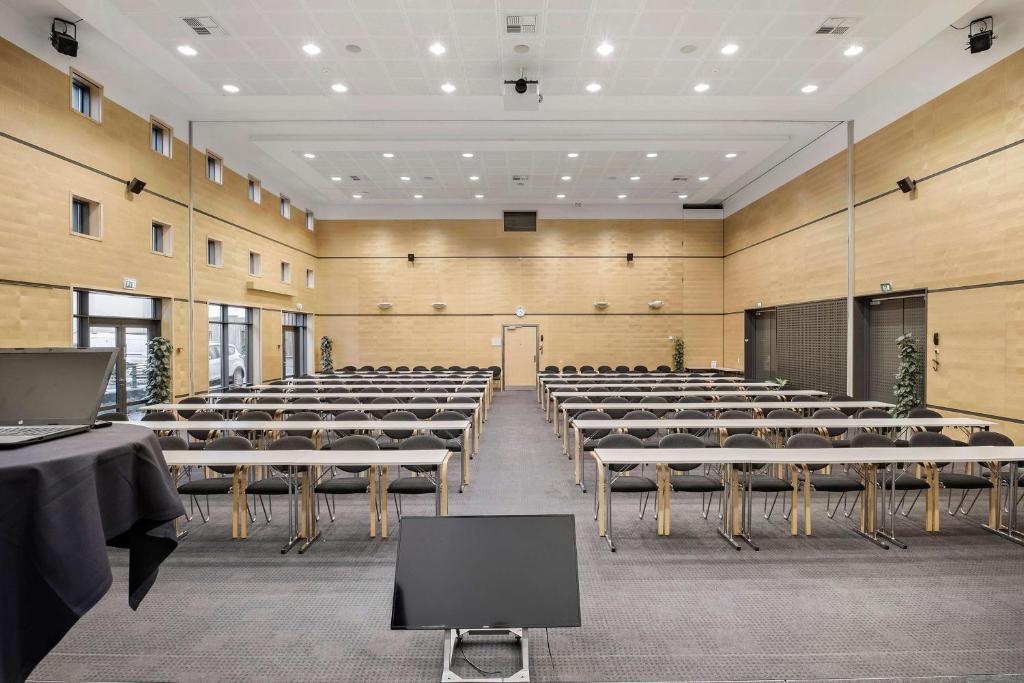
290	350
127	385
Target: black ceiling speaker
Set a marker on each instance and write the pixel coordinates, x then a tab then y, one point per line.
906	185
411	257
981	35
136	186
64	37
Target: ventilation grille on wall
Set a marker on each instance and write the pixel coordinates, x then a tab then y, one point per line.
836	26
520	23
520	221
204	26
520	179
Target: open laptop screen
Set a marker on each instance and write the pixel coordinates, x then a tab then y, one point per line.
53	386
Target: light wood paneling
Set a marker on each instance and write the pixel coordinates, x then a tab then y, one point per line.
34	316
733	340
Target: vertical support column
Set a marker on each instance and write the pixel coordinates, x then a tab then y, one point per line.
849	256
191	272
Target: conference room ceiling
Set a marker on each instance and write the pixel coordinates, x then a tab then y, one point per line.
393	103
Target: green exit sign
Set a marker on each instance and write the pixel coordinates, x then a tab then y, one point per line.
886	286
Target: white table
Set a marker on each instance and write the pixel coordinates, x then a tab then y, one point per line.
736	522
304	525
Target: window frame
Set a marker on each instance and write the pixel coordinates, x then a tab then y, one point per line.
255	190
258	271
286	272
218	252
95	113
286	208
310	221
167	146
218	172
310	279
225	324
95	217
167	238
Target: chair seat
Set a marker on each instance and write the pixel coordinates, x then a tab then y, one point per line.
634	485
695	484
411	486
272	486
764	484
837	483
904	482
343	485
956	480
210	486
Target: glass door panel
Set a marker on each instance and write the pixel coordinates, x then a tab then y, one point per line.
136	356
105	336
289	350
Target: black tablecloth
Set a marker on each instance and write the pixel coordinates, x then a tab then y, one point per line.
61	503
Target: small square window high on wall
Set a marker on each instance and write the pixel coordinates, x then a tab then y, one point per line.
310	279
286	207
286	271
214	168
85	217
161	137
214	253
160	238
86	97
310	221
255	190
255	264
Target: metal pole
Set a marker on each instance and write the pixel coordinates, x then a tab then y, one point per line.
849	257
191	273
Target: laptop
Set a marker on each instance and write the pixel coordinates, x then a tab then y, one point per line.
49	393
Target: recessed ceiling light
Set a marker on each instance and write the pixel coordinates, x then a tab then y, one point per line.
187	50
437	48
388	155
683	196
567	177
703	178
417	196
309	155
357	196
593	87
559	196
521	49
230	88
687	49
572	155
623	196
605	49
336	178
467	155
809	88
479	196
311	49
730	155
652	155
404	178
339	87
353	48
851	51
474	177
634	177
448	87
730	49
701	87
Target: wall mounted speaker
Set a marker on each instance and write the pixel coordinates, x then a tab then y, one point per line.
412	258
629	257
136	186
906	185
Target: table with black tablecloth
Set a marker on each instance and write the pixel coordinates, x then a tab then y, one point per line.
62	502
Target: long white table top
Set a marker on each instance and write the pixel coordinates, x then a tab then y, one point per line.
721	405
555	386
284	458
302	425
369	384
817	456
801	423
751	392
350	394
314	407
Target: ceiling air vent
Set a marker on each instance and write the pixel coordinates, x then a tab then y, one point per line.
679	179
204	26
520	23
520	180
354	178
836	26
520	221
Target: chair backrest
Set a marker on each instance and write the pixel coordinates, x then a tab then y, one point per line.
383	400
768	398
989	439
736	415
420	368
810	441
349	368
351	416
831	414
173	443
615	413
278	381
384	368
254	416
113	417
447	433
198	400
587	368
159	416
621	368
437	368
874	414
682	441
357	442
641	432
783	414
301	416
228	443
926	413
845	409
569	369
604	368
594	434
402	368
550	368
663	368
640	368
656	399
930	440
292	442
746	441
398	416
203	415
422	413
620	441
871	440
495	371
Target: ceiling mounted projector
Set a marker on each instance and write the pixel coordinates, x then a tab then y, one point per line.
522	94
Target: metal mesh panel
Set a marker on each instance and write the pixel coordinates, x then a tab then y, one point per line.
889	319
810	346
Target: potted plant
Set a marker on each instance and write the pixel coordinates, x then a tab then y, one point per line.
908	376
158	374
326	357
678	354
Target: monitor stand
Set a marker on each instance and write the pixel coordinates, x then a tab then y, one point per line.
452	637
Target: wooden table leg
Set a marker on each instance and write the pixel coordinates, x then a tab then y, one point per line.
236	483
735	500
793	508
807	501
659	503
994	521
383	501
465	458
373	503
565	432
667	501
576	454
936	500
601	497
443	481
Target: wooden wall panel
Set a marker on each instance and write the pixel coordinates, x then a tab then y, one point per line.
270	332
34	316
733	344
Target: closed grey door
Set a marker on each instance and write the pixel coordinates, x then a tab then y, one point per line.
765	363
888	320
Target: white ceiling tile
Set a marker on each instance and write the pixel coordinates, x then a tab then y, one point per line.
338	24
385	23
565	24
475	24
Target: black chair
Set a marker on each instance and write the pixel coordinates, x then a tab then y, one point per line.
621	368
352	416
783	433
588	369
622	482
436	368
997	439
423	413
833	433
615	413
256	437
453	438
687	482
592	436
420	368
929	413
280	480
569	370
604	368
424	479
384	368
495	372
952	481
663	368
640	368
550	368
658	412
736	415
905	482
193	400
160	416
384	400
113	417
849	411
172	443
331	485
349	368
811	478
642	433
303	416
201	436
221	484
395	436
759	479
402	368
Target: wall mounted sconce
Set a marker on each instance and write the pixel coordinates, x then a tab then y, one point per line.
384	305
656	304
439	305
600	305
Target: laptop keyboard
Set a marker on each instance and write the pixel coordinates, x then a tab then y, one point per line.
32	431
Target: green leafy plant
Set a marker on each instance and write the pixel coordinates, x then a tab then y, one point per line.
158	375
780	382
678	354
326	357
908	376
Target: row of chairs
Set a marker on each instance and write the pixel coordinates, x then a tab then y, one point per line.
572	369
495	370
267	402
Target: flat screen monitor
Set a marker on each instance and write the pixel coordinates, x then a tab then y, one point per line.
53	385
476	572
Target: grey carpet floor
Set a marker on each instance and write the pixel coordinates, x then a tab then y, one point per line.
683	608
